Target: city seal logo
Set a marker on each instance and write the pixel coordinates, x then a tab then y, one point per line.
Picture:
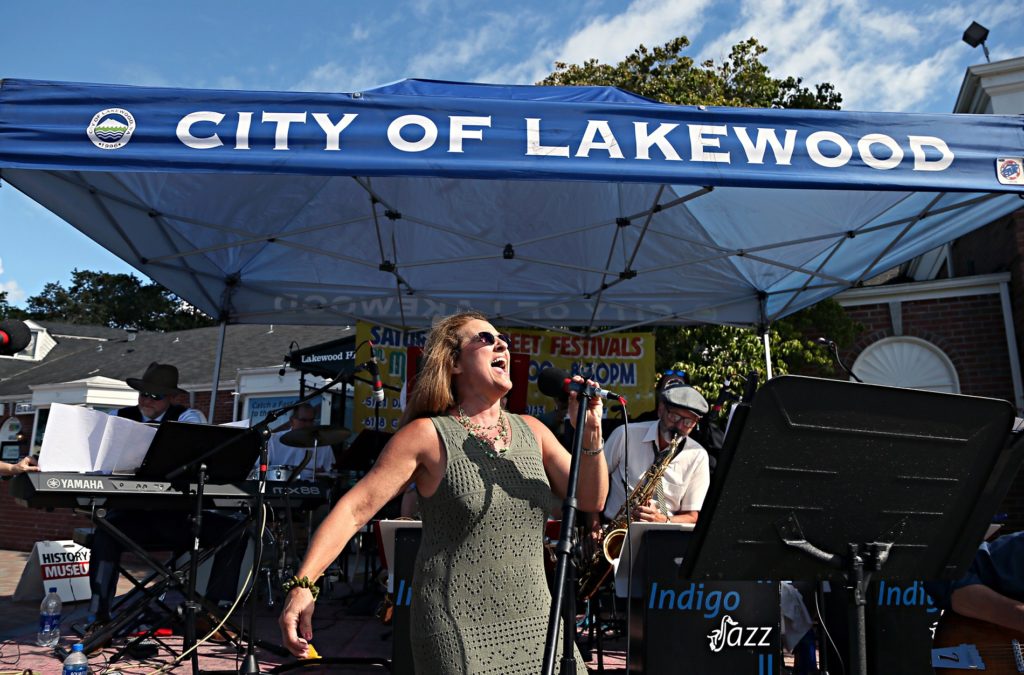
1009	170
111	129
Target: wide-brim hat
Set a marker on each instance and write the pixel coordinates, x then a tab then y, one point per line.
684	396
160	378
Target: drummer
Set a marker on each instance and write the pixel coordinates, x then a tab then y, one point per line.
280	453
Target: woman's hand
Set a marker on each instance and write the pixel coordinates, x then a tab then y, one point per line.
595	411
296	621
26	465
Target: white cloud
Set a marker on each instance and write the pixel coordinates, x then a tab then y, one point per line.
608	38
360	33
879	58
462	49
333	77
15	293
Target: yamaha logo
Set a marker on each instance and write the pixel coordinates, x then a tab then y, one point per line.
111	129
52	483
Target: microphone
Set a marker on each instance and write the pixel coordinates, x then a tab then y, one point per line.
835	355
378	386
14	336
554	381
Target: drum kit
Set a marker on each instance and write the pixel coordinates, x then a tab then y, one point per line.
281	557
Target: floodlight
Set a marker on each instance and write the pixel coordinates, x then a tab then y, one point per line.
975	35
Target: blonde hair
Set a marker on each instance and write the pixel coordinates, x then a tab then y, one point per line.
434	392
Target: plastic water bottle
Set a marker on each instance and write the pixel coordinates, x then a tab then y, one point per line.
77	663
49	620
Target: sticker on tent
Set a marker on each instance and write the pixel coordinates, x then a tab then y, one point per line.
1010	170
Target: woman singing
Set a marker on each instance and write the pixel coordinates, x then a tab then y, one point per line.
485	480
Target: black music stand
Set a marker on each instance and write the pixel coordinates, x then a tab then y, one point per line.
177	444
844	481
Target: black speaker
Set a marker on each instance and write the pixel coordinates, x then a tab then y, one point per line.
694	627
899	618
407	545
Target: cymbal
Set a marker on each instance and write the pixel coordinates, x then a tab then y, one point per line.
315	435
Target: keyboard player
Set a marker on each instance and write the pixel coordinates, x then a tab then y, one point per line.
161	530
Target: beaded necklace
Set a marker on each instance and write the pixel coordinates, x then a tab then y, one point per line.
479	432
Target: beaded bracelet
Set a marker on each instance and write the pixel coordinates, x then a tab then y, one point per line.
304	582
591	452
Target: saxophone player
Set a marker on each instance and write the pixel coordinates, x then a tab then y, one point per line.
685	482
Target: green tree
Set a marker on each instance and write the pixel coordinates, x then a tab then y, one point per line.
114	300
665	74
711	354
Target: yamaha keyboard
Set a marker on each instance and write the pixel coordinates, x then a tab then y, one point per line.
77	490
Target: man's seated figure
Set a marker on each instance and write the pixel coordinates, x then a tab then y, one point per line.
161	530
279	454
993	589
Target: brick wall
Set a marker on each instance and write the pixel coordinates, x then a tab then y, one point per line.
970	331
24	526
225	405
997	247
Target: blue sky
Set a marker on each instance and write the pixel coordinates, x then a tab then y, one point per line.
897	56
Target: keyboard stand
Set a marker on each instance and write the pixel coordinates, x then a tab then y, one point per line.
147	592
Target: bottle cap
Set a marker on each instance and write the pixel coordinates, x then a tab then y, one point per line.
53	589
78	647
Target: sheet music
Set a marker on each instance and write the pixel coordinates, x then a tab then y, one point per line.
72	438
83	440
126	443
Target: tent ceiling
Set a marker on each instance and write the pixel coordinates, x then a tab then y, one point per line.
296	244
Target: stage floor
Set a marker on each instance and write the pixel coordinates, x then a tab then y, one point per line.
343	626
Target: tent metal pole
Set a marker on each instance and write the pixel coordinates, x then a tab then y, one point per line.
216	369
767	354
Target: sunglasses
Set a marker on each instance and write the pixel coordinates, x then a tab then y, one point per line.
676	418
151	397
490	338
677	373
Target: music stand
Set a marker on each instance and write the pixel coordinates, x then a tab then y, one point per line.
842	481
177	444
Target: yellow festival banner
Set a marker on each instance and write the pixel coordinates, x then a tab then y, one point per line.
619	362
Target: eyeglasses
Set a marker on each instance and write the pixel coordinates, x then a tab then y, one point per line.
490	338
688	421
677	373
151	397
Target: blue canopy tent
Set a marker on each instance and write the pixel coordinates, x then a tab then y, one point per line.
540	206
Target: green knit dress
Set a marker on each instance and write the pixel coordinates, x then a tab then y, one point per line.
480	600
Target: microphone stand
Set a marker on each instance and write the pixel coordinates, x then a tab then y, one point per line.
250	666
564	603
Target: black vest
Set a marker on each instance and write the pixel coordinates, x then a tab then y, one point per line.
133	413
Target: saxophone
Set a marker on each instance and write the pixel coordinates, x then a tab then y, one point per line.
613	535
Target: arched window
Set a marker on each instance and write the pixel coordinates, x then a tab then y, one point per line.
907	362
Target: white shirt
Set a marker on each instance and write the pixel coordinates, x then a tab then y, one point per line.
279	454
685	483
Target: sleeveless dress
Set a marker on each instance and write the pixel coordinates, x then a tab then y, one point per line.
480	599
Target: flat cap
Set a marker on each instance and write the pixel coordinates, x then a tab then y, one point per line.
684	396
